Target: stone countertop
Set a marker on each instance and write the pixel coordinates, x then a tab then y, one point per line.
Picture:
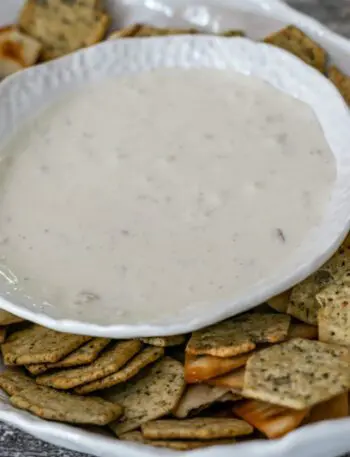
14	443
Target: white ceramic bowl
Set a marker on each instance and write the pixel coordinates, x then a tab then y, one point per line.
258	18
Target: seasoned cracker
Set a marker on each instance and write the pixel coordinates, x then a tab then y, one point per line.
63	407
306	331
334	315
7	318
164	341
298	43
273	421
341	81
149	31
62	27
176	445
239	335
203	367
233	380
82	356
134	366
198	397
2	334
13	381
108	362
232	33
335	408
280	302
199	428
149	396
297	374
38	344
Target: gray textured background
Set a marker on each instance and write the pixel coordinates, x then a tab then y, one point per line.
14	443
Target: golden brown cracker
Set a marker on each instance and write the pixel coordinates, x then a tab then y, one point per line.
341	82
7	318
108	362
233	380
280	302
335	408
13	381
164	341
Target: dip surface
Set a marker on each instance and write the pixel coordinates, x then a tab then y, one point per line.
160	191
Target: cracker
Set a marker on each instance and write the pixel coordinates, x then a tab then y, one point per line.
108	362
82	356
2	334
164	341
63	407
13	381
38	344
334	315
239	335
303	304
198	397
134	366
297	374
203	367
232	33
335	408
199	428
126	32
7	318
306	331
341	82
150	396
61	27
298	43
233	380
176	445
280	302
149	31
273	421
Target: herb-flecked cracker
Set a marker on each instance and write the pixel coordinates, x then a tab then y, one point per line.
334	315
176	445
341	81
134	366
239	335
64	407
7	318
298	43
62	27
38	344
108	362
199	428
82	356
150	396
13	381
164	341
303	304
297	374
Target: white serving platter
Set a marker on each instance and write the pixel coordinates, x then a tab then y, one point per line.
257	18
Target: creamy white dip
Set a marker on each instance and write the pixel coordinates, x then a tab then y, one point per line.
161	190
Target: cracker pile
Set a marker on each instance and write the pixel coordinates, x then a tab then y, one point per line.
260	374
48	29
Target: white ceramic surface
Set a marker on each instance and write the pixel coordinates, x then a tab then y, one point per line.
257	17
26	93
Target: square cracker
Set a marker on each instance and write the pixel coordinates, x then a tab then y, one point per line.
82	356
199	397
300	330
199	428
38	344
297	374
203	367
62	27
239	334
341	82
280	302
134	366
164	341
13	381
108	362
298	43
64	407
334	315
176	445
303	304
2	334
7	318
273	421
234	380
149	396
335	408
